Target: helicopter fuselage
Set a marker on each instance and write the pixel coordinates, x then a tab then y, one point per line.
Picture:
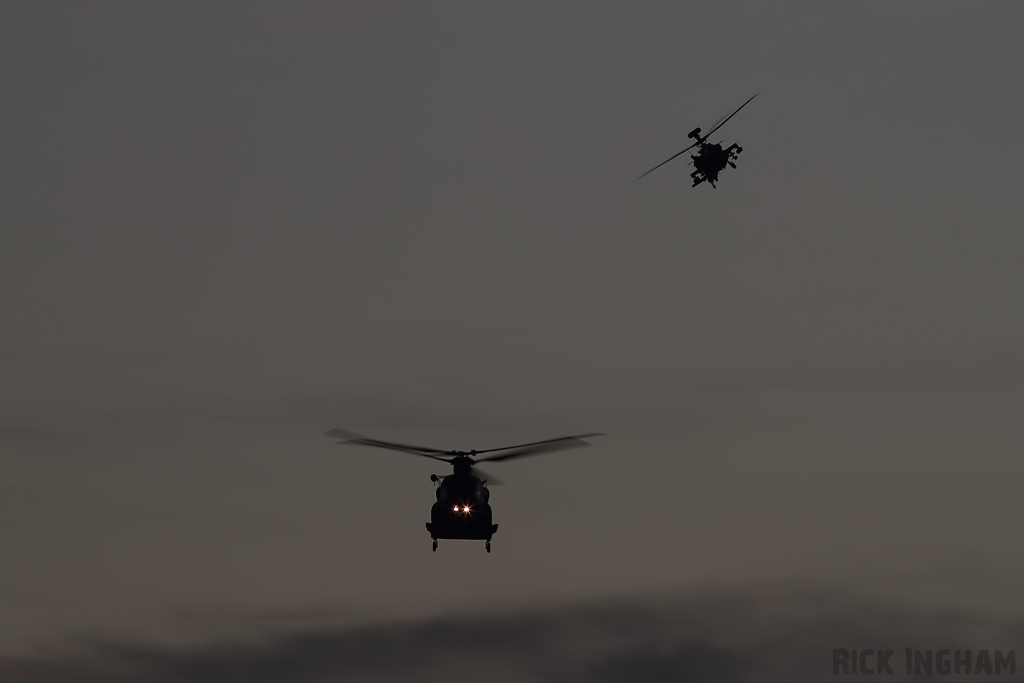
711	159
462	510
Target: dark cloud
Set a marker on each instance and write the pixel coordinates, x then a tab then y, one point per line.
743	635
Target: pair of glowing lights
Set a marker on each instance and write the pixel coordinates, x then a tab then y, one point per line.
464	508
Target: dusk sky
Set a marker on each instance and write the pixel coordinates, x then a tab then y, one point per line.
229	227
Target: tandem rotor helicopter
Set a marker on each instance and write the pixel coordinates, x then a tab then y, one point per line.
462	510
710	159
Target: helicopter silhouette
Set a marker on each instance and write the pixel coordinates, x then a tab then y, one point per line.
462	510
710	159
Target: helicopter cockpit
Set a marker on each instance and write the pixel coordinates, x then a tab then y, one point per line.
463	490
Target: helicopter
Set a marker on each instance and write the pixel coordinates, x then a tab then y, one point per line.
710	159
462	510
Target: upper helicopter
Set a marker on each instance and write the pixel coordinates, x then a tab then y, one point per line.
710	159
462	510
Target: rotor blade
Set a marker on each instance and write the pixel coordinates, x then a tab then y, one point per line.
352	436
538	448
669	159
719	125
536	443
389	447
357	440
488	477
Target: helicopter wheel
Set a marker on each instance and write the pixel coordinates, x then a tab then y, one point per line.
435	547
487	546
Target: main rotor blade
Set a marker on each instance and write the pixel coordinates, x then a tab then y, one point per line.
719	125
537	448
352	436
537	443
488	477
669	159
357	440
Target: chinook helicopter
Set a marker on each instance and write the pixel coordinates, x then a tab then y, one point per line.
462	510
710	159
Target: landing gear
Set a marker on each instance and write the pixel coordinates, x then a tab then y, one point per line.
435	546
487	545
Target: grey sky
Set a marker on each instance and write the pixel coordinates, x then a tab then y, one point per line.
229	227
